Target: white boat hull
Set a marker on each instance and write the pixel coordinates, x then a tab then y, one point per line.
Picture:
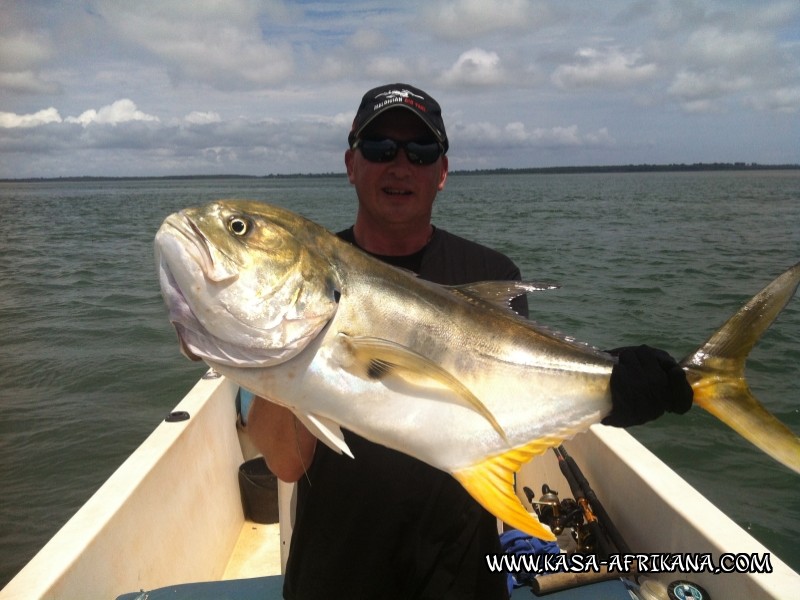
658	512
172	514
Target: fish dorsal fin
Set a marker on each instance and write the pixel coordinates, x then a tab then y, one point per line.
501	293
376	358
491	483
326	431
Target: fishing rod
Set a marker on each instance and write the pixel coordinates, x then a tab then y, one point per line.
605	521
592	523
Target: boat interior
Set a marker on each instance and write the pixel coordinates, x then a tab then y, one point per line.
175	520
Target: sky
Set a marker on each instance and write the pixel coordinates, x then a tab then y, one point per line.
204	87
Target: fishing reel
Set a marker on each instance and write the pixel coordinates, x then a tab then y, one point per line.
561	514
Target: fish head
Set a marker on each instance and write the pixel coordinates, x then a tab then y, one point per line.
243	289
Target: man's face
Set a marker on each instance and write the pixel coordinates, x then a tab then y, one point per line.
397	192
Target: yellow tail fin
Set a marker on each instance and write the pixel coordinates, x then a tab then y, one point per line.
716	372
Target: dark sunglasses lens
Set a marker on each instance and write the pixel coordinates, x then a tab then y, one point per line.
423	154
385	150
378	150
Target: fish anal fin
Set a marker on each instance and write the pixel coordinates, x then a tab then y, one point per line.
376	358
491	483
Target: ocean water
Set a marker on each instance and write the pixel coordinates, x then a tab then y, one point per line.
89	364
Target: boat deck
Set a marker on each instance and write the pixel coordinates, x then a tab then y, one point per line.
257	552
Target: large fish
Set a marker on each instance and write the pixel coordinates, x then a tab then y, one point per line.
448	375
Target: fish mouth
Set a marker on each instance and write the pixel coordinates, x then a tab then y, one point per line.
197	342
181	241
179	311
185	350
213	336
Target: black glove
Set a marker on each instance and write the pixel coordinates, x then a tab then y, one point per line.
645	383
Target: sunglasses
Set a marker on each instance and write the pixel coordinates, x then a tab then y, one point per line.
384	150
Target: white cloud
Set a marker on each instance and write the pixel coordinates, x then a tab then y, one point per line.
723	60
22	50
467	19
216	43
713	47
692	86
475	67
21	55
365	40
121	111
199	118
255	86
772	14
385	68
27	82
783	100
606	68
721	67
119	139
517	135
48	115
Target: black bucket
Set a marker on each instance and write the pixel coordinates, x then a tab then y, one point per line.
259	488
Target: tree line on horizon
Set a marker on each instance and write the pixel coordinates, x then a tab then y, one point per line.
631	168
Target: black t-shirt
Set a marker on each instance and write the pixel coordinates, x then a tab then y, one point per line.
385	525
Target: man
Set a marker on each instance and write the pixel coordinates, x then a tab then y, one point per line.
386	525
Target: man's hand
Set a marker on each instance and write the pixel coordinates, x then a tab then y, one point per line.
645	383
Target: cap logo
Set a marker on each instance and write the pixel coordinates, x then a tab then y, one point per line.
398	97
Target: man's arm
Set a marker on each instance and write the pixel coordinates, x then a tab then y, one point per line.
287	446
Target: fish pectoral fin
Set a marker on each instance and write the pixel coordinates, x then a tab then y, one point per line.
501	293
326	431
376	358
491	484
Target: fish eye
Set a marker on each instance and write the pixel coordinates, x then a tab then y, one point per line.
239	226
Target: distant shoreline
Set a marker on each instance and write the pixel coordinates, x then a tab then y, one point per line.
641	168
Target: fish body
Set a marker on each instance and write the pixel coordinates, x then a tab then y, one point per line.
449	375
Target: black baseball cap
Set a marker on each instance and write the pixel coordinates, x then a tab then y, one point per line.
399	95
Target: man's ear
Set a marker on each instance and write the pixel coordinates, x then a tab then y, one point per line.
349	157
443	175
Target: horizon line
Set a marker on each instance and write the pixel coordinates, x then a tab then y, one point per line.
642	167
